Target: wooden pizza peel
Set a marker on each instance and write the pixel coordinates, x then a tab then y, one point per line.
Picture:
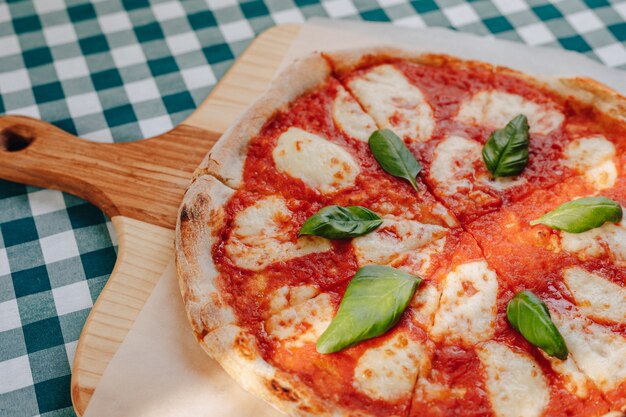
139	185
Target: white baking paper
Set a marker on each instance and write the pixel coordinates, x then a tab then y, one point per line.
160	370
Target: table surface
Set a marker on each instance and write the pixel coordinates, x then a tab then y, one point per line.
120	70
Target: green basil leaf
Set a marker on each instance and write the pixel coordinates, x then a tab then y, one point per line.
372	304
393	156
336	222
506	151
582	214
530	316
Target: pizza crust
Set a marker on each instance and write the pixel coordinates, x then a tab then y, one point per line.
226	159
236	350
201	216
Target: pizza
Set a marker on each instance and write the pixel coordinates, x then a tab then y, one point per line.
386	233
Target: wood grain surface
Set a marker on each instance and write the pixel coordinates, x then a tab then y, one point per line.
139	185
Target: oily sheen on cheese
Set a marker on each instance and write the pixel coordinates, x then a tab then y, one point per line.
317	162
258	238
495	109
394	103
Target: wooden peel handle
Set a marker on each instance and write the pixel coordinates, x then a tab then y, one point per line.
143	180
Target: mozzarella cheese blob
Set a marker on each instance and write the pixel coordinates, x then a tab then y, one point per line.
388	372
287	296
494	109
598	352
317	162
394	102
515	383
302	323
453	165
593	158
453	168
609	239
574	380
258	238
467	309
350	117
595	296
392	238
424	304
419	262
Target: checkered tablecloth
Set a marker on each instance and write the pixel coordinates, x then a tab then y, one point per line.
119	70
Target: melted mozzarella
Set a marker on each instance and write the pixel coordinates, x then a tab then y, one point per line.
453	168
608	239
424	304
593	157
598	352
445	215
467	309
317	162
258	236
573	379
392	238
287	296
515	383
501	183
394	103
388	372
453	165
595	296
350	118
495	109
418	262
426	391
301	323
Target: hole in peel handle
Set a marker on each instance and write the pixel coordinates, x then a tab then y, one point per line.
16	138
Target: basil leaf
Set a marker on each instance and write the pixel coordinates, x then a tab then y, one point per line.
530	316
506	151
336	222
393	156
582	214
372	304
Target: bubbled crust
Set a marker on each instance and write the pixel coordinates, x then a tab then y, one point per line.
200	218
226	159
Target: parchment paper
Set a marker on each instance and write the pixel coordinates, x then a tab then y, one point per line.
160	370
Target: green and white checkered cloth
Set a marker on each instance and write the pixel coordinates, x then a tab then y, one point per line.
118	70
